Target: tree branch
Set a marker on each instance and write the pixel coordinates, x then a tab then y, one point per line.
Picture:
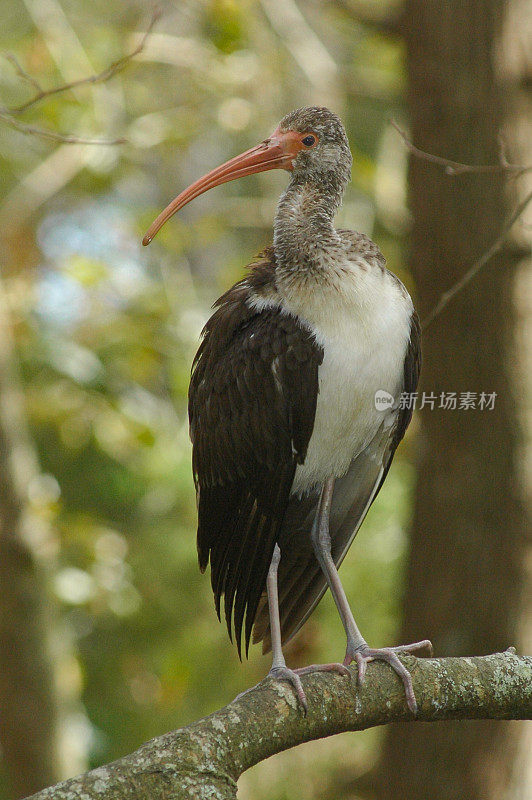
53	136
457	167
9	114
205	759
21	72
475	268
100	77
453	168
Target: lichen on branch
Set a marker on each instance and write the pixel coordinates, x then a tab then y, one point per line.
205	759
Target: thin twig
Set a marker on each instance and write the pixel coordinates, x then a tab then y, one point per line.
53	136
468	276
21	72
8	115
458	168
100	77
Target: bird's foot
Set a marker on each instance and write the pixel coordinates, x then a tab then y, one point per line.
363	654
283	673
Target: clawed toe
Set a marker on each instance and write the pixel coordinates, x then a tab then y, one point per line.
290	675
362	663
363	655
335	666
387	654
424	644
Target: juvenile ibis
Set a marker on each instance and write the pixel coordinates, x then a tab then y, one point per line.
289	446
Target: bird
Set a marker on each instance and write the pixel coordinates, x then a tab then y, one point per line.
289	445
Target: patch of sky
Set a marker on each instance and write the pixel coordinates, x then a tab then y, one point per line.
59	298
90	247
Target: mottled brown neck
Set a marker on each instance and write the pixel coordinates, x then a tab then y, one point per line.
303	232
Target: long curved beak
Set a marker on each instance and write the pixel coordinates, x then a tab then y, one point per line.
277	152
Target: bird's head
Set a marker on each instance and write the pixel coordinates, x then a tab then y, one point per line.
310	142
320	147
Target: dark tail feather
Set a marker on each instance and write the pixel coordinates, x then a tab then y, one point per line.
244	580
214	509
248	535
263	557
221	563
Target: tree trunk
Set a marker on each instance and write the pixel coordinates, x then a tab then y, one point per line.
27	696
465	575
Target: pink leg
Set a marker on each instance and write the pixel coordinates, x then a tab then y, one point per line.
357	648
279	670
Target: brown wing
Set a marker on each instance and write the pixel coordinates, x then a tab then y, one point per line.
301	580
252	403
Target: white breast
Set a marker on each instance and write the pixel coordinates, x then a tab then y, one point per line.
363	324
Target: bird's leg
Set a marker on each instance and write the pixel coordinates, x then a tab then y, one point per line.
357	648
279	670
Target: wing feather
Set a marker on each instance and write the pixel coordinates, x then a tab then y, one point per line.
252	403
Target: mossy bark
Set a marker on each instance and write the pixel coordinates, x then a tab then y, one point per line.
205	759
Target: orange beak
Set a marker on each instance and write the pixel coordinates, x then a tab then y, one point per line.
277	152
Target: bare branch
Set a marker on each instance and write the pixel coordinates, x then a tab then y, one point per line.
21	72
456	167
205	759
100	77
53	136
9	115
479	263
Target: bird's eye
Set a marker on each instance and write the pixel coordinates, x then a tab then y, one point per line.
308	141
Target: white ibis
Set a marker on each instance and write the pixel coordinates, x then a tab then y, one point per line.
289	448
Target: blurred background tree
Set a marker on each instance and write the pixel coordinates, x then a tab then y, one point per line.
107	630
466	575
